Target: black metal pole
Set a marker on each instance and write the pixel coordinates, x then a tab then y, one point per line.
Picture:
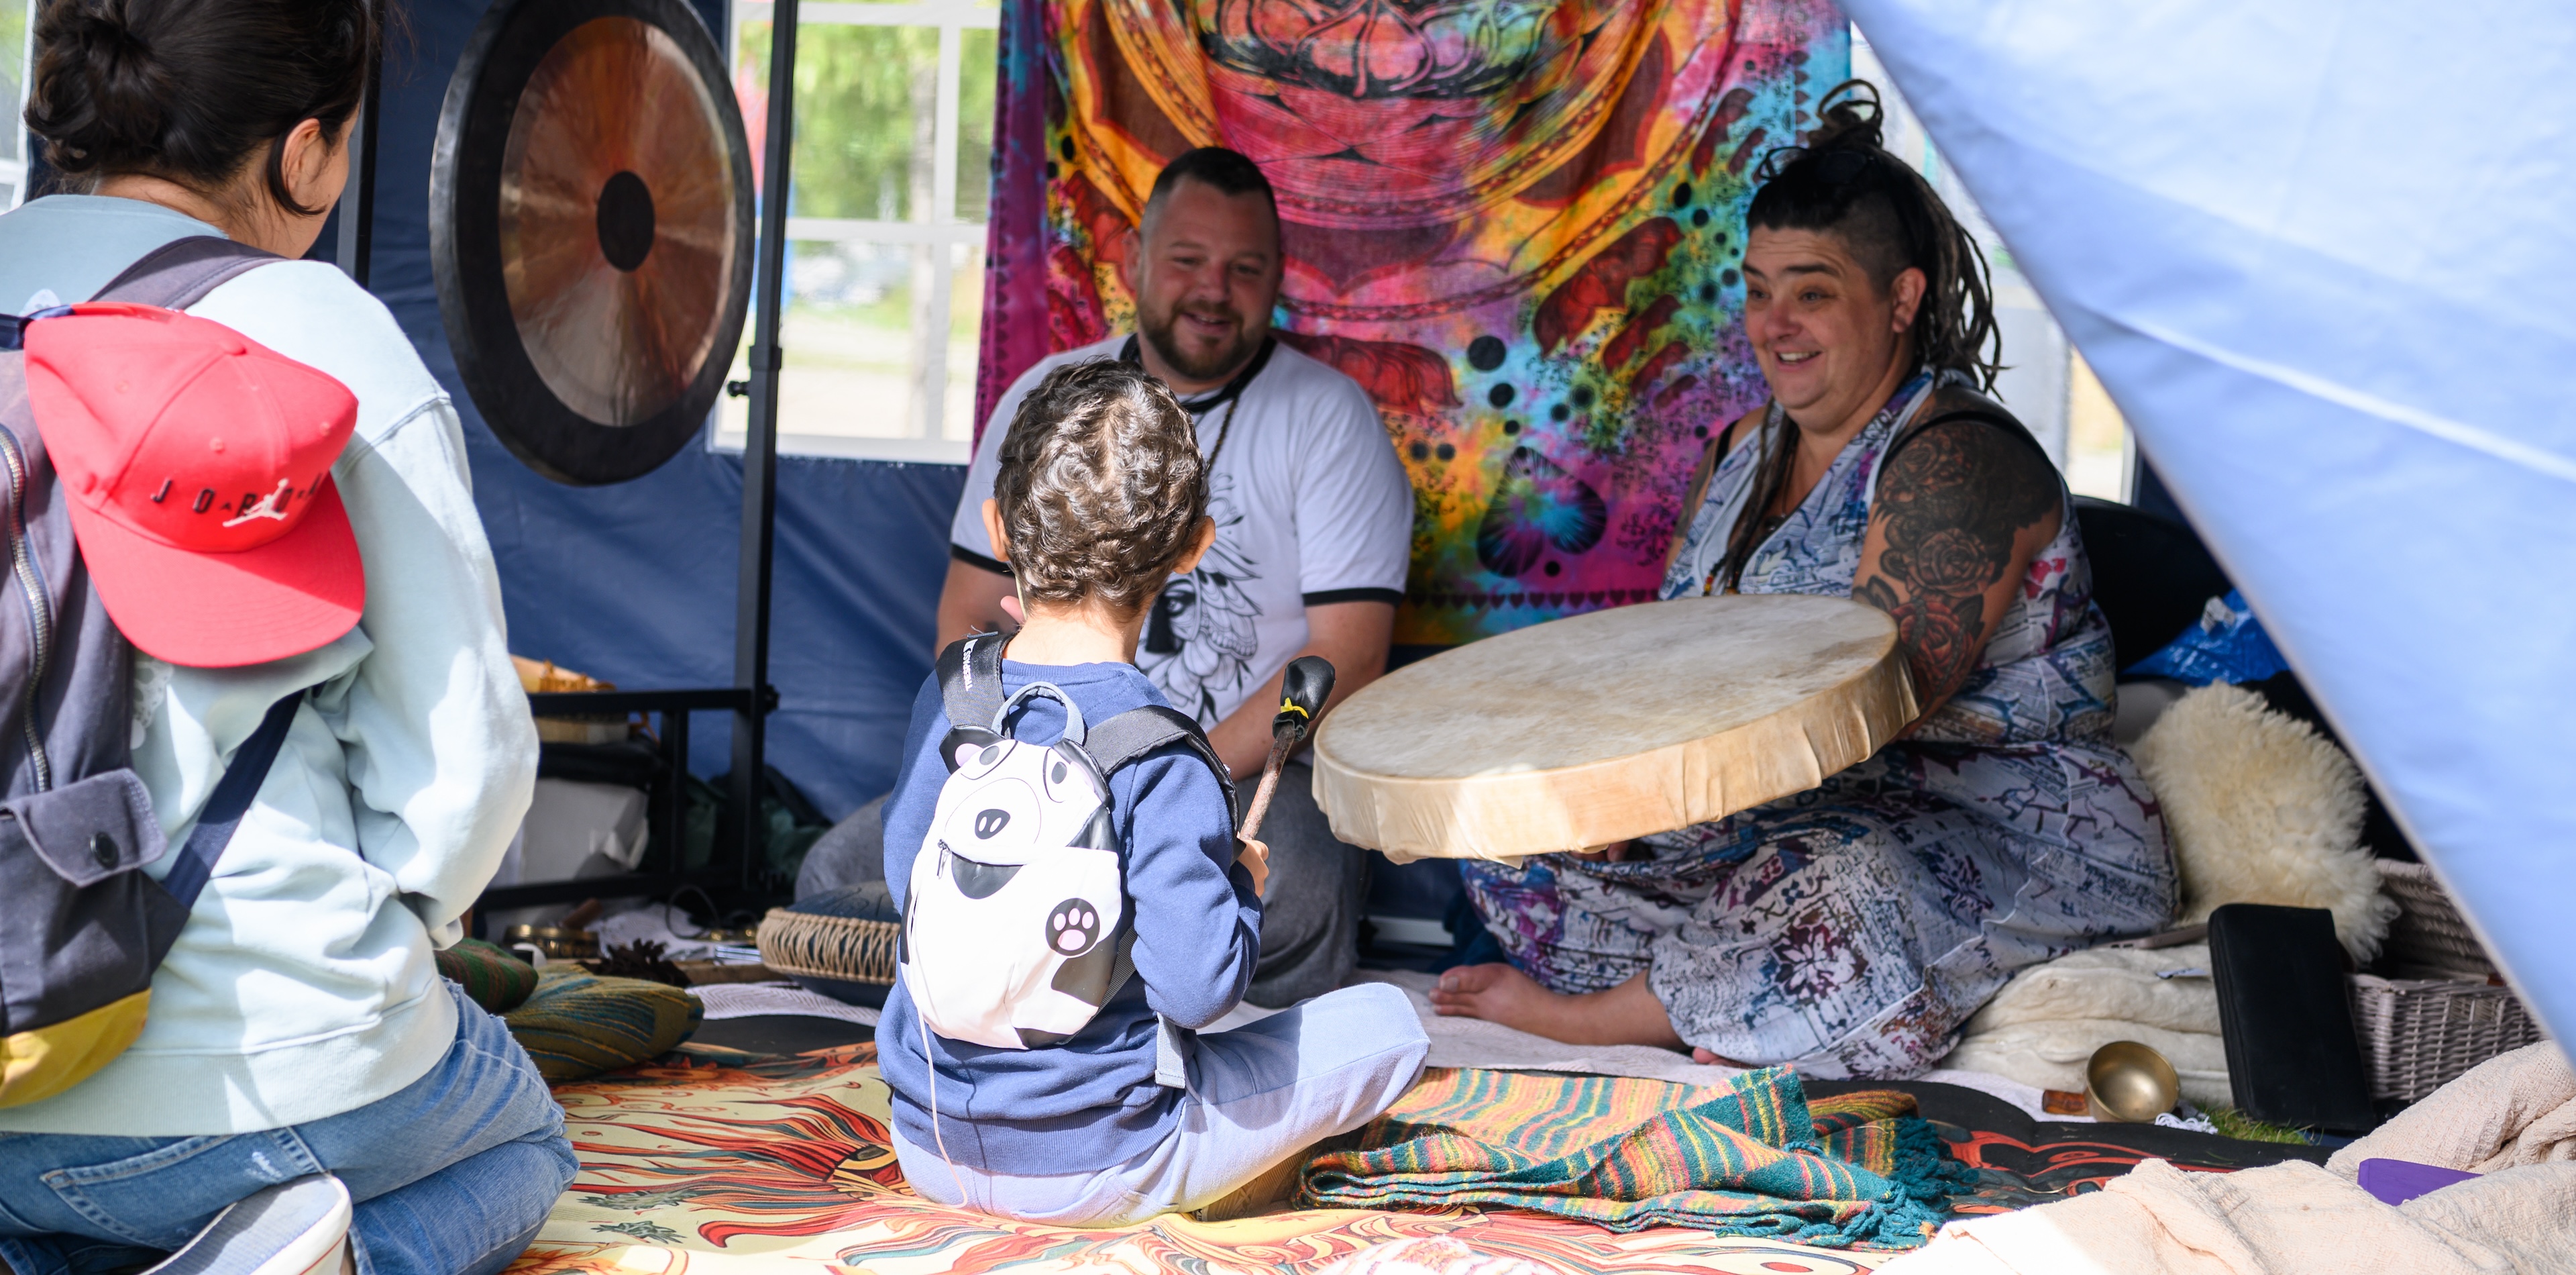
760	443
358	202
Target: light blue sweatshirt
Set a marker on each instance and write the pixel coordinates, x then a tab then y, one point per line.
303	985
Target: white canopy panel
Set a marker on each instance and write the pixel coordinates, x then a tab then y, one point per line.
2323	254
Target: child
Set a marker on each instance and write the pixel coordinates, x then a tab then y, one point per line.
1101	497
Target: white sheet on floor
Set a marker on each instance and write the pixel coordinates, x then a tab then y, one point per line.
1473	1042
748	1000
1455	1042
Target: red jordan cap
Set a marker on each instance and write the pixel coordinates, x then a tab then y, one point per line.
198	464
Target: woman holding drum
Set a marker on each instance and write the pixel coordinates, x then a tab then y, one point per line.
1852	928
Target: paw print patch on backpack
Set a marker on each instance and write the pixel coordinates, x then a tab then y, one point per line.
1015	928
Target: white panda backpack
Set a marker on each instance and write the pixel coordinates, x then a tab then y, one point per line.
1016	928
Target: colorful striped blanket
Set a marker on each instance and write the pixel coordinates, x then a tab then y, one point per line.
1747	1158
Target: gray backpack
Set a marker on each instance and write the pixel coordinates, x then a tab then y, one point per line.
83	928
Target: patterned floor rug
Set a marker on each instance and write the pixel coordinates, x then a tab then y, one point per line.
708	1165
716	1161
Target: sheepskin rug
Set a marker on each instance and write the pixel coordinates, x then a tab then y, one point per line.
2262	809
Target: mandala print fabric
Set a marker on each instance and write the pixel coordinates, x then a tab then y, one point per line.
1516	223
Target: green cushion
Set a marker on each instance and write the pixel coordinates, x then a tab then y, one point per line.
577	1024
492	976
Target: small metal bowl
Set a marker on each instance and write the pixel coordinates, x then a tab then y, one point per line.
555	941
2128	1083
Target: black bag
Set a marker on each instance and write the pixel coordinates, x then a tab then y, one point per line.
84	927
2285	1012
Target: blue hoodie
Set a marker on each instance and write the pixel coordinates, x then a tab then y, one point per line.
1090	1102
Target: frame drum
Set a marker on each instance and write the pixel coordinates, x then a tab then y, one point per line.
1596	728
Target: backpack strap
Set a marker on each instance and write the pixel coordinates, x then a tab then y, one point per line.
174	276
970	679
229	802
1117	742
180	273
1130	735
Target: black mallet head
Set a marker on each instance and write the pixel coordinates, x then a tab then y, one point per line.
1302	692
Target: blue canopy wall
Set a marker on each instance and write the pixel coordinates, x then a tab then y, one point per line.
2321	253
635	582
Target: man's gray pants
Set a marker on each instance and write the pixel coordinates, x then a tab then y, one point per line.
1310	917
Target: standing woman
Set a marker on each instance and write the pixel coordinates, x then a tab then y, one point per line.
1851	929
301	1054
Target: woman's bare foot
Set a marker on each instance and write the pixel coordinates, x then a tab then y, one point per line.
1627	1014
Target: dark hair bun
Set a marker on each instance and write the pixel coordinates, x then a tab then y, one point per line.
98	93
1850	116
192	90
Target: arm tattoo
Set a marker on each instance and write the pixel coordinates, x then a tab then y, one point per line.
1950	505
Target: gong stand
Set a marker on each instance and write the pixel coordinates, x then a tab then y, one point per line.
502	373
760	436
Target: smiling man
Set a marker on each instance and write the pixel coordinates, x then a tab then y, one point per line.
1314	521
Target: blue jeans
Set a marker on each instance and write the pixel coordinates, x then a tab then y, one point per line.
1258	1094
452	1176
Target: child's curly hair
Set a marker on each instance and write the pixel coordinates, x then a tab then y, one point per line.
1101	487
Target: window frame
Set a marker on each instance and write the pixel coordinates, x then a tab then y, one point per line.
14	162
945	233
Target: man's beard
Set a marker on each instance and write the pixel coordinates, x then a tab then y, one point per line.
1214	367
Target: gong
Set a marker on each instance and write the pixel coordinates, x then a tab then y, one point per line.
591	230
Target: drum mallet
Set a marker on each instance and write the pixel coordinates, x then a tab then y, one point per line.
1302	692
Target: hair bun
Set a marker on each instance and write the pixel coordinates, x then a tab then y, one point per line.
1850	115
100	94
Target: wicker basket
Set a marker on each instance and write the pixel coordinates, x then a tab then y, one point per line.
2429	932
841	948
2420	1034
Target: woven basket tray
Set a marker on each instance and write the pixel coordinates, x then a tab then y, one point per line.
2420	1034
843	948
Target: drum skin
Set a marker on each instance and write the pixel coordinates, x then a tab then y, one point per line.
1596	728
591	231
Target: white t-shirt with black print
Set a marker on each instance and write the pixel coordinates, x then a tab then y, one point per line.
1311	507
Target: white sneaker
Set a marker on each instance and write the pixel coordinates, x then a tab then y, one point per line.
294	1228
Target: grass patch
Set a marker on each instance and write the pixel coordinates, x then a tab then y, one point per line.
2232	1123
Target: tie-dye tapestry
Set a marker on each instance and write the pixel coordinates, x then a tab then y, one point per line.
1514	222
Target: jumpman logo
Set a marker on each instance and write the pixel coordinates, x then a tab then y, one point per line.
272	505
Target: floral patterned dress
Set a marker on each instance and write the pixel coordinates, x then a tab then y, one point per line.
1852	928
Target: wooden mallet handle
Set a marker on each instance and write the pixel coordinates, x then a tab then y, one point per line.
1302	692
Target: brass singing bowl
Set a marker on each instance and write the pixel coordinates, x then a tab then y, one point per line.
2130	1083
557	942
